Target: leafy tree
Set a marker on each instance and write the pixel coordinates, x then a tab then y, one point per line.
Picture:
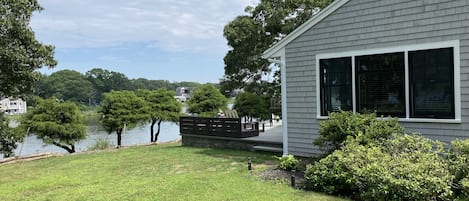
57	123
105	81
164	107
8	138
20	53
251	34
206	101
142	83
68	85
252	105
185	84
122	109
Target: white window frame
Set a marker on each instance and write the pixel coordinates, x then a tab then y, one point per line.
455	44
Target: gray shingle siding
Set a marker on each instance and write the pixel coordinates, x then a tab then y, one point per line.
369	24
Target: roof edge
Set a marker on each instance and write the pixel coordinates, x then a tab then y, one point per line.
272	51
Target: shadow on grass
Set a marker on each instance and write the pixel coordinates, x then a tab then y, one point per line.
236	155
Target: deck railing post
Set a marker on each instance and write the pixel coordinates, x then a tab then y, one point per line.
209	126
194	125
223	121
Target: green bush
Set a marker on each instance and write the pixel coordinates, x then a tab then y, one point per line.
402	167
288	162
100	144
458	161
331	175
340	125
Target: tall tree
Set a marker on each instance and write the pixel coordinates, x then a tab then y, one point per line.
206	101
252	105
20	53
20	56
105	81
164	107
251	34
122	109
8	138
57	123
67	85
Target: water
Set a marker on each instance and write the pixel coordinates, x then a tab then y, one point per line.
138	135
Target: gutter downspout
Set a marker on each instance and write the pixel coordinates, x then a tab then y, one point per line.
283	79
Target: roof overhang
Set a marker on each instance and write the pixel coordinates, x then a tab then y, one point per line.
277	49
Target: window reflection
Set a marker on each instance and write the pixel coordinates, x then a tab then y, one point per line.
381	84
336	88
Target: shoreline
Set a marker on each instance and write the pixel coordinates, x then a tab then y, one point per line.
38	156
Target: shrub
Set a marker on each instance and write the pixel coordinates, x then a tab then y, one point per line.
288	162
340	125
331	175
403	167
100	144
458	161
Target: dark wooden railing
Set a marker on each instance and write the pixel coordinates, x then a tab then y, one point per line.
222	127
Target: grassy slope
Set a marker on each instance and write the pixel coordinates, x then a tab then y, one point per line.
168	172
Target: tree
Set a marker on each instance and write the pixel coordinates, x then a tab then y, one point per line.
68	85
105	81
8	138
206	101
252	105
54	122
251	34
164	107
122	109
20	53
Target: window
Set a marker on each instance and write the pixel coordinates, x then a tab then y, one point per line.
419	83
432	83
336	84
381	84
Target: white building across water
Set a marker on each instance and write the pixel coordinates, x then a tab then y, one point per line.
12	106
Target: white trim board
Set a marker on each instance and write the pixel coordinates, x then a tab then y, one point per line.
455	44
276	48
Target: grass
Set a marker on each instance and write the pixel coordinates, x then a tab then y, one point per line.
163	172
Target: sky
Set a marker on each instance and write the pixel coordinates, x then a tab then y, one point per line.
175	40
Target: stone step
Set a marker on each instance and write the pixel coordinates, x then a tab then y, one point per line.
268	149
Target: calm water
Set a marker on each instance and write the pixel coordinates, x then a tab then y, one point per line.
139	135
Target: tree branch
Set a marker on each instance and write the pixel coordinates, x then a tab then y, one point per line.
70	150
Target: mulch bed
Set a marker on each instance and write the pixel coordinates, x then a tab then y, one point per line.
275	173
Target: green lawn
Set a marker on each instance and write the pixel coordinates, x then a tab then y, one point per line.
163	172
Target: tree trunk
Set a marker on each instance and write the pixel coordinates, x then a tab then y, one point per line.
70	150
119	137
152	129
158	131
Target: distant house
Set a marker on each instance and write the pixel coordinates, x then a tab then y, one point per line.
183	93
404	58
12	106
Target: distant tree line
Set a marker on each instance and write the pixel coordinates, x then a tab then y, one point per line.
88	88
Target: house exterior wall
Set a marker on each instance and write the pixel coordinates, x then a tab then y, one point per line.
11	106
372	24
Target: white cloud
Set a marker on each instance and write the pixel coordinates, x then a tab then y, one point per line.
184	25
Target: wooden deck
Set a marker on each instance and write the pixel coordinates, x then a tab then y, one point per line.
211	134
220	127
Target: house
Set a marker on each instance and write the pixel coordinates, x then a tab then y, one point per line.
404	58
12	106
183	93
